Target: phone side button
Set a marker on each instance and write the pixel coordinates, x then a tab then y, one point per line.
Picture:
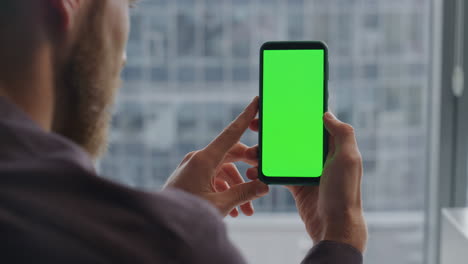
328	71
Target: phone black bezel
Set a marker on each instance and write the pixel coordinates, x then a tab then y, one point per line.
292	45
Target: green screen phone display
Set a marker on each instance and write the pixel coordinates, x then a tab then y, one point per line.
292	111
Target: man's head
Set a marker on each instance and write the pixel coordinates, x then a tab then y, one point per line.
82	43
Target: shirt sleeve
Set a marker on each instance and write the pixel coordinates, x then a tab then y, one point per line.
331	252
201	229
212	244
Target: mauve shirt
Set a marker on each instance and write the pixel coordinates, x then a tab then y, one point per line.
55	209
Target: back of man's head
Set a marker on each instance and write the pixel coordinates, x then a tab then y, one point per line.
60	60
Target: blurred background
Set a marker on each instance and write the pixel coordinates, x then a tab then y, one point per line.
193	66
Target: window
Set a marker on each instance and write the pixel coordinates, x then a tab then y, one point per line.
196	66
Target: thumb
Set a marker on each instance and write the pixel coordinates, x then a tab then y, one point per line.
342	133
242	193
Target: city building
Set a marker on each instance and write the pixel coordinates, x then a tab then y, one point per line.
193	66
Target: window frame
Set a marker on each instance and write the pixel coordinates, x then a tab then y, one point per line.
448	130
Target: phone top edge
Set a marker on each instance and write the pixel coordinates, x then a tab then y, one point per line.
283	45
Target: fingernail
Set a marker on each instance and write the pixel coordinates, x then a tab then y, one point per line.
330	116
255	100
250	104
262	189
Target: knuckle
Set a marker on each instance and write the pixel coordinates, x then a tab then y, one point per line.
188	156
353	158
237	195
197	157
347	129
242	196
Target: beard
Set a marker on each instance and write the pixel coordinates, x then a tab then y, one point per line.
83	103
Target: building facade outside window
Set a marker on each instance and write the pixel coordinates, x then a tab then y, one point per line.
193	66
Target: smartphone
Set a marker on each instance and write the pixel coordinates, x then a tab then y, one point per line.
293	142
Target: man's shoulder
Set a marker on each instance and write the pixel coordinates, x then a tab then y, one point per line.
200	225
185	212
171	225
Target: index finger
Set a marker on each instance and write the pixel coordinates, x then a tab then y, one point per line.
218	148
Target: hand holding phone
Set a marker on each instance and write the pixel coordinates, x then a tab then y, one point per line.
333	210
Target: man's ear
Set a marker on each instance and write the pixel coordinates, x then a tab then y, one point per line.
65	12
